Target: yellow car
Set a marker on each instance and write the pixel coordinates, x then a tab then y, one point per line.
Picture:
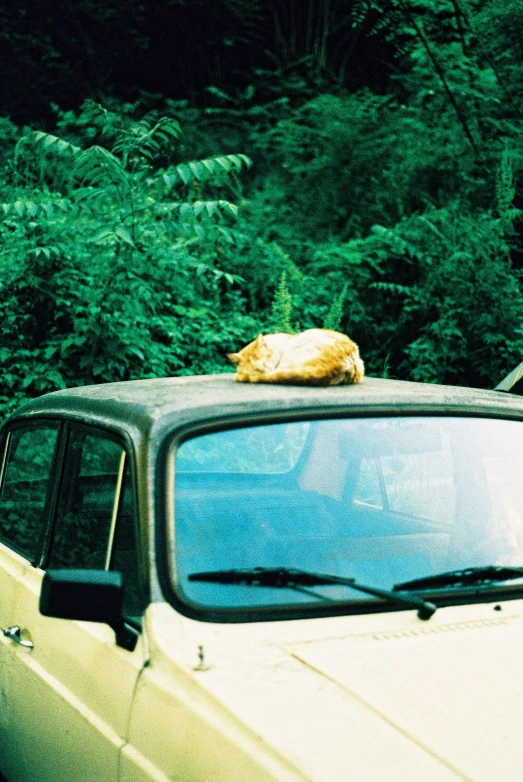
209	581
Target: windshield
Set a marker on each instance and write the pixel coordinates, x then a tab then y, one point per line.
378	500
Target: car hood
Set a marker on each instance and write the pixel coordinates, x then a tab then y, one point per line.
454	690
422	700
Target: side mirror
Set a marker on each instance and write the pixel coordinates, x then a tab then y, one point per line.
88	596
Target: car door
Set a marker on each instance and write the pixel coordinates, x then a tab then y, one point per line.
27	459
70	694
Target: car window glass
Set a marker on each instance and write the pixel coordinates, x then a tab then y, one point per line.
368	488
25	484
85	517
421	484
124	553
95	520
505	486
268	449
382	500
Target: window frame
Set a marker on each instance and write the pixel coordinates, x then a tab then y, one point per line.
68	427
49	506
65	426
123	440
93	431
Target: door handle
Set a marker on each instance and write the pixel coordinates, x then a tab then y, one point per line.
21	637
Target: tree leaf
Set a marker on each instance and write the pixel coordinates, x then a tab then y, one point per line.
185	174
209	164
228	207
186	210
197	169
124	235
102	236
224	162
170	179
246	160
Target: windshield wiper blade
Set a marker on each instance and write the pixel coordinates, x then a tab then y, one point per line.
472	576
291	577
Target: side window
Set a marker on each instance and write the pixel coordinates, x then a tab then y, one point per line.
125	551
368	488
421	484
95	525
27	469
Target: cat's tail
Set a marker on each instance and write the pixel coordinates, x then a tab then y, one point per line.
354	369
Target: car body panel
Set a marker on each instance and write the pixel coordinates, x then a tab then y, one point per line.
458	696
12	569
319	731
430	700
145	408
74	688
170	691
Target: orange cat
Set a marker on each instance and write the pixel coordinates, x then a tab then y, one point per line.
316	357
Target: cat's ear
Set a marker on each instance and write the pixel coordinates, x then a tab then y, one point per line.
260	342
234	357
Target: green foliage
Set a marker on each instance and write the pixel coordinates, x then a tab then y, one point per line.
409	199
282	308
448	307
114	277
133	250
335	313
506	187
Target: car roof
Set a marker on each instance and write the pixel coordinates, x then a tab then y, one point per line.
148	404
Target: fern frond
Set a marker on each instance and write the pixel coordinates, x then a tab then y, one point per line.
282	307
110	235
333	256
391	287
48	143
196	209
202	170
145	140
99	167
335	313
29	208
395	241
45	154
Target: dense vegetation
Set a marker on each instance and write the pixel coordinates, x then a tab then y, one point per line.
138	240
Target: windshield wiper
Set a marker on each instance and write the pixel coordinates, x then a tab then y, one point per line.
292	578
472	576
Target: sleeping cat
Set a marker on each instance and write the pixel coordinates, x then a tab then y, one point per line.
316	357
